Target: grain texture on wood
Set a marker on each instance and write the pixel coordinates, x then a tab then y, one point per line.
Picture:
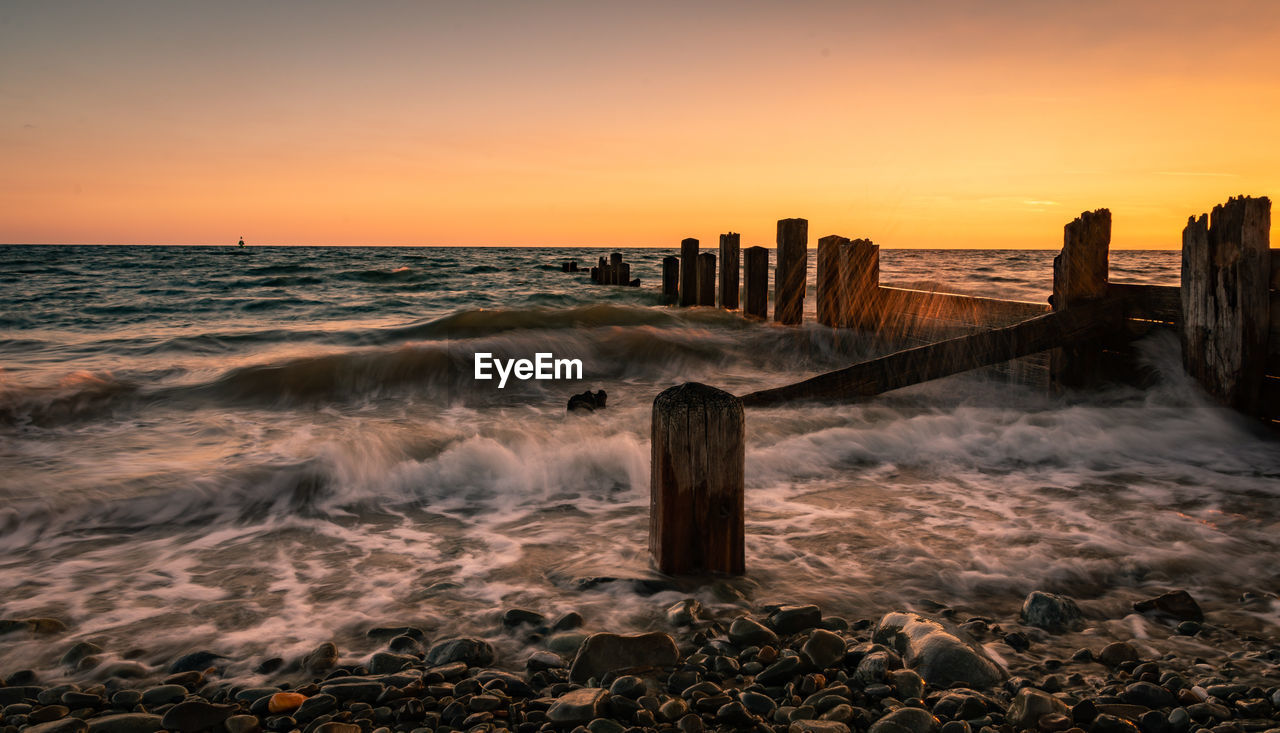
755	278
729	268
860	281
706	279
831	290
670	280
696	485
689	272
1080	276
791	271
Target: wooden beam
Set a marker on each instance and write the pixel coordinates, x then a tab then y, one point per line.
707	278
688	272
755	277
1074	325
729	268
792	271
670	279
1150	302
831	290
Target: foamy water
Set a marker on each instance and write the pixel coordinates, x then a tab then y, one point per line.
255	453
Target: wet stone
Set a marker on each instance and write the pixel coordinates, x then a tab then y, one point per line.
389	663
794	619
757	703
63	725
780	671
745	631
1117	653
76	700
354	691
824	648
1147	695
577	707
906	720
684	613
48	713
163	694
195	715
604	652
314	707
78	652
1112	724
469	651
734	714
126	723
1031	704
628	686
321	659
195	661
1177	604
1051	612
817	726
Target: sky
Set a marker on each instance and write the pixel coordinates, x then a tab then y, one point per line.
943	123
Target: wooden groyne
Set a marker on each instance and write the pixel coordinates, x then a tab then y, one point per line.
1226	312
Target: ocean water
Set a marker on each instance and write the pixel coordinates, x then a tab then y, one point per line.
253	452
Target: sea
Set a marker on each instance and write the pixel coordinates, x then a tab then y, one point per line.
255	451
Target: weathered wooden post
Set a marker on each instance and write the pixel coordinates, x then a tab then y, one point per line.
755	276
688	272
1226	272
624	273
859	276
696	483
831	290
670	280
615	268
1079	276
729	244
791	271
706	279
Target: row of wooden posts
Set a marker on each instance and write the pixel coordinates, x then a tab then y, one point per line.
848	272
1226	313
612	271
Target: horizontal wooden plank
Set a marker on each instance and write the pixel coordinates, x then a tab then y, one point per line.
1150	302
1084	322
970	309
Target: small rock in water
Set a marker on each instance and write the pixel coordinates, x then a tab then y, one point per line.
936	654
745	631
472	652
515	617
628	686
241	724
907	683
285	702
588	401
163	694
606	652
1117	653
321	659
195	715
1051	612
1147	694
906	720
577	707
1030	705
684	613
824	648
126	723
568	622
1179	604
78	652
789	620
388	663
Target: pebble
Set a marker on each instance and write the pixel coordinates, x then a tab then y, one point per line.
195	715
78	652
1030	704
321	659
126	723
163	694
126	698
1147	695
195	661
1111	724
817	726
76	700
1117	653
908	720
684	613
64	725
1051	612
515	617
285	702
471	652
48	713
745	631
789	620
605	652
577	707
824	648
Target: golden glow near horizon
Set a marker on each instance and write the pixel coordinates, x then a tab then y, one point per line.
933	124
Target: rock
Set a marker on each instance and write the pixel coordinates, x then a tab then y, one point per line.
1051	612
907	683
360	691
780	671
388	663
78	651
195	715
315	706
1030	705
285	702
77	700
43	626
961	705
906	720
577	707
824	648
734	714
566	643
48	714
515	617
955	726
63	725
628	686
684	613
745	631
126	698
15	695
321	659
241	724
126	723
163	695
471	652
195	662
1054	722
817	726
334	727
872	668
757	703
380	633
606	652
1111	724
794	619
126	670
539	661
1147	695
588	401
1179	604
604	725
690	724
190	680
569	621
937	655
1117	653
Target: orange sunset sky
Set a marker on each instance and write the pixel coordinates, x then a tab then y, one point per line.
919	124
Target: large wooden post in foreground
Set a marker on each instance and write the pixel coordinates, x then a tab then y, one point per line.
671	280
696	487
791	271
729	244
1080	276
1226	269
688	272
706	279
755	277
